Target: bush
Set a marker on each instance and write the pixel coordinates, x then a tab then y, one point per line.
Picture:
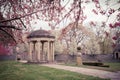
93	63
104	66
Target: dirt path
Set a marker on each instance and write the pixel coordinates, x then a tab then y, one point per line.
86	71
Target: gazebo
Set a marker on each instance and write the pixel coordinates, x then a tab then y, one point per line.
41	46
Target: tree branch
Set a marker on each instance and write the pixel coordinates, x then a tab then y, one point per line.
8	34
2	21
8	26
22	22
65	16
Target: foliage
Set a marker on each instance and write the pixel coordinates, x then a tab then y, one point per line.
6	33
116	33
3	50
110	26
93	63
91	46
72	36
106	45
21	13
58	45
10	70
73	47
22	48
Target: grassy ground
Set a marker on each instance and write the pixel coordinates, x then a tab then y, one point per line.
10	70
112	66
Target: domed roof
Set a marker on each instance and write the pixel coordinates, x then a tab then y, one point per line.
39	34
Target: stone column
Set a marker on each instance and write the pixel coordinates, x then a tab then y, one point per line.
42	56
38	49
78	58
48	53
30	51
34	52
53	51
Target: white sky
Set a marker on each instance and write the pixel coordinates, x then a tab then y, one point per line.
88	11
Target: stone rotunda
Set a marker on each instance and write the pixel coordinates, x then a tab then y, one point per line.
41	46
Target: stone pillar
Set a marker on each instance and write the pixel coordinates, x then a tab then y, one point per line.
30	51
38	49
79	59
42	55
34	52
48	53
53	50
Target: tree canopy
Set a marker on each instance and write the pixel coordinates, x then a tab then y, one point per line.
17	15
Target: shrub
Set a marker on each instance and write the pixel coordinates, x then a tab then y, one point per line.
93	63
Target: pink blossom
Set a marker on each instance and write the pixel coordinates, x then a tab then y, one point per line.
111	11
102	12
111	26
97	5
3	50
92	23
95	11
117	24
114	38
96	1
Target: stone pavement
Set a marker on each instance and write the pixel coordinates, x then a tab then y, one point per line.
86	71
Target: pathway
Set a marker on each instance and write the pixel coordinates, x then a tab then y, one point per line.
86	71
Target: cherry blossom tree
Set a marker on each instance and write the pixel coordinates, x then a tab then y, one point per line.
17	16
107	29
73	37
20	13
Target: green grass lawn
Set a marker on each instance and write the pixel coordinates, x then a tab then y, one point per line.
11	70
112	66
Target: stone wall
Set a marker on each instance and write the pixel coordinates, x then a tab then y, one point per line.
21	56
64	58
98	57
86	57
7	57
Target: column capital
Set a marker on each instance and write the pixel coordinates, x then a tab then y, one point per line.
39	40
